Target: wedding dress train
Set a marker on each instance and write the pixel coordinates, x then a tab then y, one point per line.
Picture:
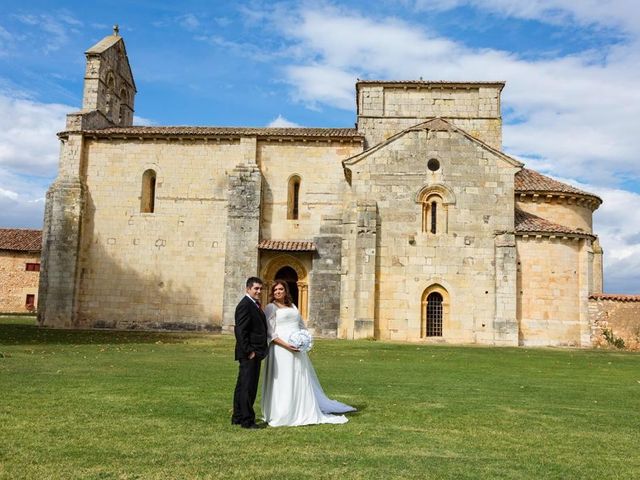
291	392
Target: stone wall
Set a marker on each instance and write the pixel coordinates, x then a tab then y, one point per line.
16	281
551	282
164	269
619	315
384	110
322	186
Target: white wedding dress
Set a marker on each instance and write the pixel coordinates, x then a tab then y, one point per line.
291	392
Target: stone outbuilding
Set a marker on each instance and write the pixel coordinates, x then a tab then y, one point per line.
412	226
19	269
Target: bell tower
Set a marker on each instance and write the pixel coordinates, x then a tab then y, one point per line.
109	92
109	87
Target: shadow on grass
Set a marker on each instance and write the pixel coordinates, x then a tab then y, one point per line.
21	333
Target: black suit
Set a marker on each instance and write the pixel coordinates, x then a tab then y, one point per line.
251	336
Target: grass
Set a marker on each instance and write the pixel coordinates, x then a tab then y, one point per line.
139	405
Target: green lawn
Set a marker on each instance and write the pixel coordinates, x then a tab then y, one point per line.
103	405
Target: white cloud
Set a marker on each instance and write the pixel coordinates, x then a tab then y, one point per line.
29	152
321	84
11	195
21	199
142	121
28	143
611	13
189	22
281	122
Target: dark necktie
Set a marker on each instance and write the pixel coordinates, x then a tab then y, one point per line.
258	303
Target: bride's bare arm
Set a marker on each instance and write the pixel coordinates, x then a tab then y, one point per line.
283	344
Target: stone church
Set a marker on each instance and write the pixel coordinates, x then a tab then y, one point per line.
413	226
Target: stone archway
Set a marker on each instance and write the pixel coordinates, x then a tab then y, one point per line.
289	269
290	276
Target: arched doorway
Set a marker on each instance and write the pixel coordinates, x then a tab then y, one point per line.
290	276
290	269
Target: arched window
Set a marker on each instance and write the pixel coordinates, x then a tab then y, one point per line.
434	216
436	310
110	97
437	202
433	219
148	197
293	198
434	315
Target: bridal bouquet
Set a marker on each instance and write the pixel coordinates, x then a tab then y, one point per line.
302	340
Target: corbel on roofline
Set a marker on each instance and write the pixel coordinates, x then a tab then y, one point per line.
582	199
555	235
111	135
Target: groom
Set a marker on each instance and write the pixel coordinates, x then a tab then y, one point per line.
251	348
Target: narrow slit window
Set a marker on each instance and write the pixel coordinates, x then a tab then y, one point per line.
434	216
293	201
148	197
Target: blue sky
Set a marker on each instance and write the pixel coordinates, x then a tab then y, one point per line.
571	105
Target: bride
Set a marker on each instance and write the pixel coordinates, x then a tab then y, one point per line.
291	392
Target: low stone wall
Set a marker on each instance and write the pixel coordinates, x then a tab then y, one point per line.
615	319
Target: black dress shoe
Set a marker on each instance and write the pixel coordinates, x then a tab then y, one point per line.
235	422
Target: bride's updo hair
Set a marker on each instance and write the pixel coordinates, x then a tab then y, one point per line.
287	296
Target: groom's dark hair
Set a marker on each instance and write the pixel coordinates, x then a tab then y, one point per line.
252	280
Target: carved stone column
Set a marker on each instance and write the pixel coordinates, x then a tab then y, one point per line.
303	299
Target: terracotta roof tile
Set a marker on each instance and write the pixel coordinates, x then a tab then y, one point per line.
615	296
531	181
350	133
288	245
526	222
22	240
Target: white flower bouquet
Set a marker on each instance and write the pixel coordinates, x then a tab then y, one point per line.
302	340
